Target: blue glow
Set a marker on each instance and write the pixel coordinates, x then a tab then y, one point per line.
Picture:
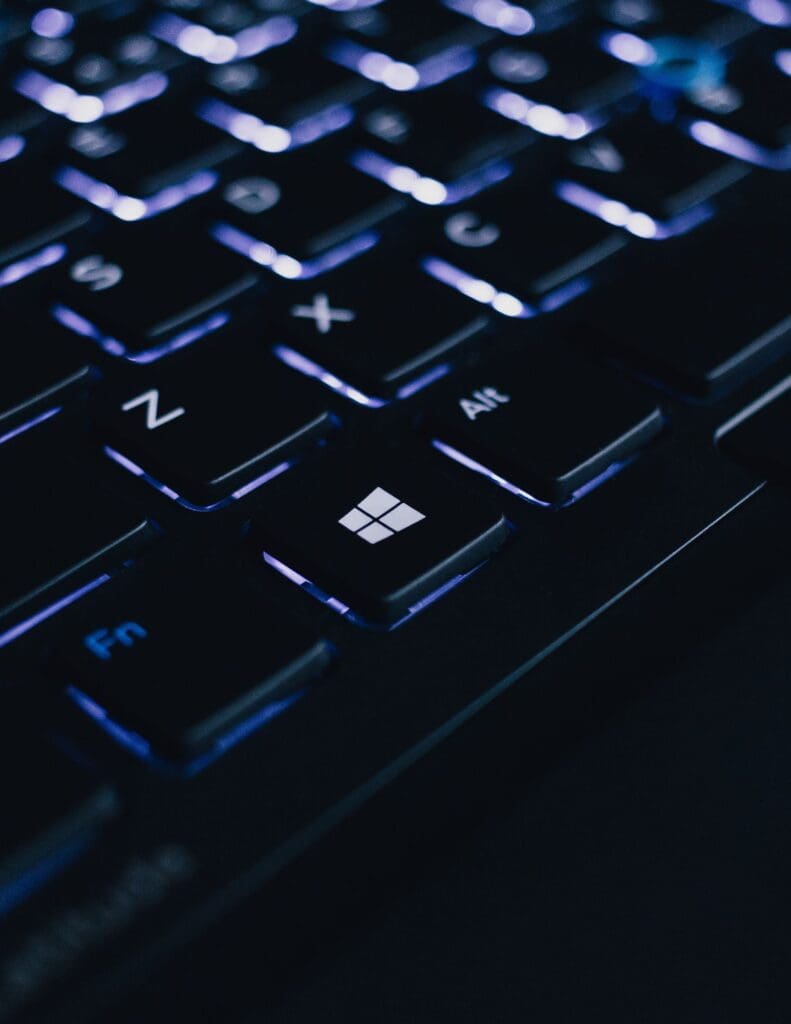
715	137
241	492
79	325
477	467
340	608
637	223
46	613
24	885
46	257
58	98
41	418
513	19
10	147
540	117
142	749
132	208
274	138
215	48
427	190
265	255
398	75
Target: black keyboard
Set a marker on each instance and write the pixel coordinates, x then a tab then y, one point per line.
357	355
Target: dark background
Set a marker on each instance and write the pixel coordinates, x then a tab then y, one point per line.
635	869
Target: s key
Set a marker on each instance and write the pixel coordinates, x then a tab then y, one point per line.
144	290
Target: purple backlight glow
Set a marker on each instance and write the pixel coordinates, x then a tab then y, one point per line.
637	223
273	138
29	424
46	257
714	137
310	369
10	147
429	191
477	467
58	98
510	18
140	747
131	208
52	23
79	325
398	75
775	13
476	289
340	608
168	492
540	117
628	48
52	609
265	255
214	48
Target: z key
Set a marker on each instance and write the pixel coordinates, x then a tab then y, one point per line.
214	419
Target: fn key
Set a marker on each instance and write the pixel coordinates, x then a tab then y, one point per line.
378	532
188	661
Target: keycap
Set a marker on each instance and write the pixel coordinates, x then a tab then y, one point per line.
653	169
516	20
747	114
262	103
405	45
378	531
221	32
272	211
63	527
143	291
700	313
559	84
114	166
189	662
104	64
43	369
52	810
218	417
519	249
379	323
760	435
35	216
438	147
652	18
545	420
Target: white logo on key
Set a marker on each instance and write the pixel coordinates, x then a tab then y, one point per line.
323	314
380	516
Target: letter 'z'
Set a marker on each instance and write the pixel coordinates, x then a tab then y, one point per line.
150	399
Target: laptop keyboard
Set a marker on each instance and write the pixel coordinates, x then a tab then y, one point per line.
335	330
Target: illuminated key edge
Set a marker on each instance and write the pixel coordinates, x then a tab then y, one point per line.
78	324
342	609
240	492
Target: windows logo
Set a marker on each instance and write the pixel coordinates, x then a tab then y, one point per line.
379	516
